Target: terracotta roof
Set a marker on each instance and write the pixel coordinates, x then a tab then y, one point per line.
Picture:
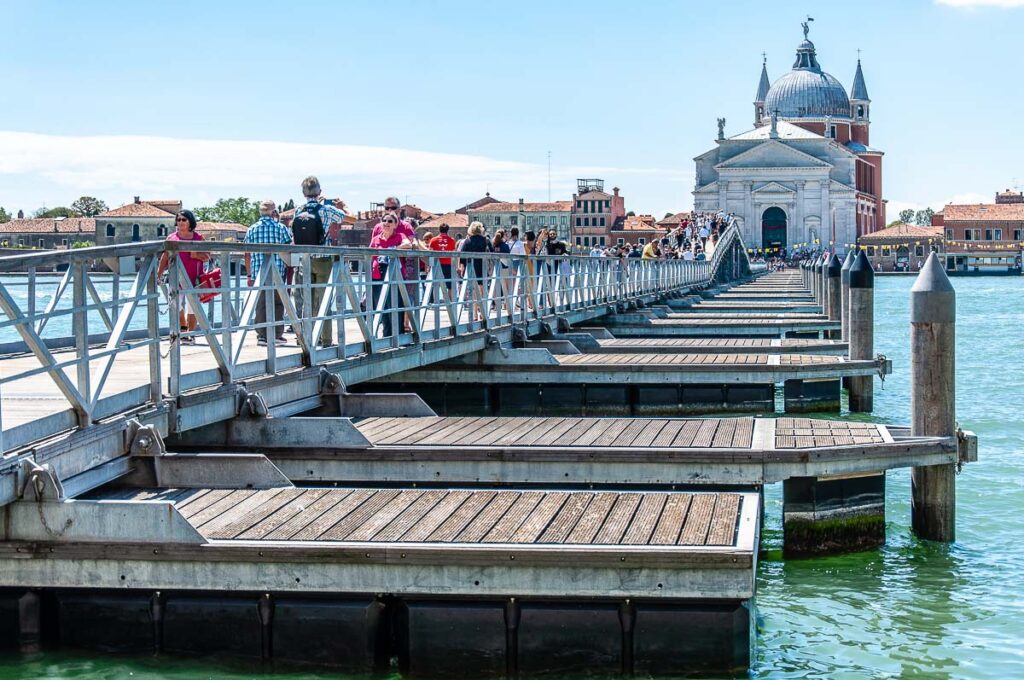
674	220
219	226
638	222
453	220
170	206
983	212
476	204
902	231
142	209
555	206
45	225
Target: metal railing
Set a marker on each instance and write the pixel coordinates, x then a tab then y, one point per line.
116	345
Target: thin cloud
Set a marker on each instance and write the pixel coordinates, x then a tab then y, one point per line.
199	170
971	4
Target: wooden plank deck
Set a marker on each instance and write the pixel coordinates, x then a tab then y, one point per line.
471	517
721	345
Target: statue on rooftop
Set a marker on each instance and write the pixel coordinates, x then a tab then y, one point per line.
721	128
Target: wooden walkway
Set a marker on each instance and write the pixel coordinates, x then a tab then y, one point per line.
721	346
455	516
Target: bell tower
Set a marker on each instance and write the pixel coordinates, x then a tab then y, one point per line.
860	108
762	92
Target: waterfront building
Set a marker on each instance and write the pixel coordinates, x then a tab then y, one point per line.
527	216
457	224
805	173
902	247
136	221
636	229
595	213
984	238
49	233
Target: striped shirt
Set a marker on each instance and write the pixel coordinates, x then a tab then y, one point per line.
267	230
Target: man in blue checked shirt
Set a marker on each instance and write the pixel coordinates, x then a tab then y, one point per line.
316	223
267	231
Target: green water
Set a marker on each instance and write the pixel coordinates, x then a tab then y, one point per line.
909	609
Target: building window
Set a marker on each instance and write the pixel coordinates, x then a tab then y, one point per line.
514	220
529	220
565	220
40	243
110	231
919	251
579	205
577	240
968	235
135	232
161	231
64	242
620	241
21	241
999	234
832	132
497	220
602	241
607	206
988	234
949	234
641	241
871	251
860	111
886	251
1017	234
602	221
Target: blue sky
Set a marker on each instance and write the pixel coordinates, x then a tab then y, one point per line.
441	101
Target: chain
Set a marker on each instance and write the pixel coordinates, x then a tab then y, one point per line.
881	368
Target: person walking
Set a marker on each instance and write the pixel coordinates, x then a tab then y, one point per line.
443	243
265	231
316	223
386	238
473	269
185	223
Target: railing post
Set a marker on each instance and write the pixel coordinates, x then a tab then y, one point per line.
174	325
80	329
153	328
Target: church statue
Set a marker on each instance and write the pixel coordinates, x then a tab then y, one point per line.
806	27
721	128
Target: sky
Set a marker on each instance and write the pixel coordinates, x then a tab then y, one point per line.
440	102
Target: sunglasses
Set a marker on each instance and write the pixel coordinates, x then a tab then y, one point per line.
181	219
389	222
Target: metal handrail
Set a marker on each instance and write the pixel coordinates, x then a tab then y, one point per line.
126	315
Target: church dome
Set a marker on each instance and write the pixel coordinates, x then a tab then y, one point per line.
807	91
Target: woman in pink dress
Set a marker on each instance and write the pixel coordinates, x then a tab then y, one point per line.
185	222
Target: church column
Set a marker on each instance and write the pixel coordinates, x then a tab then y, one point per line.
826	215
797	234
750	218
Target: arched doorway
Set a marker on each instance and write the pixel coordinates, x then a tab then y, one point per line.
773	229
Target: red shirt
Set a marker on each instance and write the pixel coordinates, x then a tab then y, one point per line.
193	266
443	243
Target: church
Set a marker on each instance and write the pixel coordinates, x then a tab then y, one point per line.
805	175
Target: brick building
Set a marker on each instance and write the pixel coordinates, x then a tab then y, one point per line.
595	213
636	230
984	237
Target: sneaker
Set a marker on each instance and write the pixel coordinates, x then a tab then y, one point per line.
261	342
280	341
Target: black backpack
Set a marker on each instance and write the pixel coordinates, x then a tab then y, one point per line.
308	226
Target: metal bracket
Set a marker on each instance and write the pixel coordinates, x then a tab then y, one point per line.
143	440
545	328
563	324
519	335
253	404
331	383
967	447
40	482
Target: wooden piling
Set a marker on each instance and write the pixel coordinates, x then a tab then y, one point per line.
862	323
933	397
816	280
834	303
844	299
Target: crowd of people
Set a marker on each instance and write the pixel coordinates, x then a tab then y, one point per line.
317	223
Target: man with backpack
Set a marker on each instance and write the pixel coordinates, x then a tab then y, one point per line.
316	223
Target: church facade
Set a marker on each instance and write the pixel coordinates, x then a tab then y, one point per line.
805	173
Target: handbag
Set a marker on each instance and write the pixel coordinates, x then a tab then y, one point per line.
210	279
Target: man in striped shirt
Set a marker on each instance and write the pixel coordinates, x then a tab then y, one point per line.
267	231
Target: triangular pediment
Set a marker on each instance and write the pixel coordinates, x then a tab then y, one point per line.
839	187
773	188
710	188
772	154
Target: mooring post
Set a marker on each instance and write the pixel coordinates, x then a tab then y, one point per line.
824	281
933	398
835	303
844	298
816	280
862	331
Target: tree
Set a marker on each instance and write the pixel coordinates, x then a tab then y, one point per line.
287	205
89	206
923	218
44	213
899	221
238	210
4	216
631	214
667	215
907	216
